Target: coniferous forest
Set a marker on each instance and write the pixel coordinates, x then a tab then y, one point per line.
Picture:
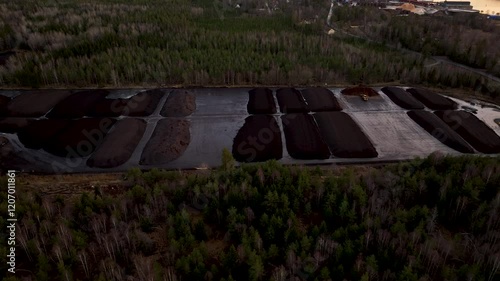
436	218
122	43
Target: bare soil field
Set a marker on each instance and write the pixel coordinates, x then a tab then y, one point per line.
402	98
303	138
291	100
12	125
170	139
39	132
119	144
432	100
343	135
258	140
144	103
80	138
395	135
108	108
77	104
320	99
473	130
180	103
3	105
438	129
35	103
360	90
261	101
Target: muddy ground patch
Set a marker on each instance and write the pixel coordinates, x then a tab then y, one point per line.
180	103
3	105
291	100
119	144
432	100
78	104
39	132
35	103
359	90
320	99
108	108
402	98
12	125
343	136
473	130
261	101
258	140
144	103
303	139
170	139
440	130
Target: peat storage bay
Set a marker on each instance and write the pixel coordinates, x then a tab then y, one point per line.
114	130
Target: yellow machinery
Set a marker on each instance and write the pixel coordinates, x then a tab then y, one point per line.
364	97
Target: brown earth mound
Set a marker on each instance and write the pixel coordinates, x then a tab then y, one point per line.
11	125
291	100
402	98
473	130
303	139
180	103
343	135
39	132
119	144
3	105
258	140
108	108
169	141
35	103
320	99
432	100
359	90
80	138
438	129
144	103
77	104
261	101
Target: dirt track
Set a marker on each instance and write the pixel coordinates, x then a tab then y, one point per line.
169	141
343	135
438	129
303	139
402	98
291	100
261	101
320	99
180	103
258	140
35	103
432	100
119	144
77	104
473	130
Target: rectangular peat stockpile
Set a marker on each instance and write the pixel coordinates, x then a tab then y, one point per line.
108	108
119	144
303	139
170	139
258	140
12	125
80	138
4	101
39	132
440	130
261	101
432	100
77	104
144	103
402	98
473	130
320	99
180	103
35	103
291	100
344	137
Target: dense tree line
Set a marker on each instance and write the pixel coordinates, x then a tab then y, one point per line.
428	219
124	43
